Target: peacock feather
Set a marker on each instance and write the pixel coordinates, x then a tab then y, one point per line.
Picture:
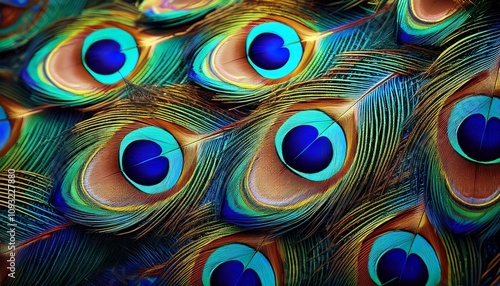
249	142
83	61
161	155
251	51
460	142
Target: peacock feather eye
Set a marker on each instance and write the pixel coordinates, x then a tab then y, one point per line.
405	250
249	52
474	129
110	54
238	264
88	61
151	159
403	258
312	145
232	259
143	160
295	157
138	165
263	52
273	49
468	145
457	133
428	22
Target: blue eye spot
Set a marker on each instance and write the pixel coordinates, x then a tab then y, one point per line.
143	163
474	129
267	51
237	264
151	159
312	145
5	128
403	258
396	268
105	57
304	151
110	54
479	139
274	49
233	273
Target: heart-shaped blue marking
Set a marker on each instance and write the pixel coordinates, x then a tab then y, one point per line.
267	51
396	268
142	163
304	151
233	273
480	140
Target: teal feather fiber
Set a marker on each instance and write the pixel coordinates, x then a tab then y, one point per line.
249	142
34	18
37	144
34	214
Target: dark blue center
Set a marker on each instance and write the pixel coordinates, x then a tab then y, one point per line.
142	163
105	57
233	273
395	268
267	52
304	151
480	140
5	129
